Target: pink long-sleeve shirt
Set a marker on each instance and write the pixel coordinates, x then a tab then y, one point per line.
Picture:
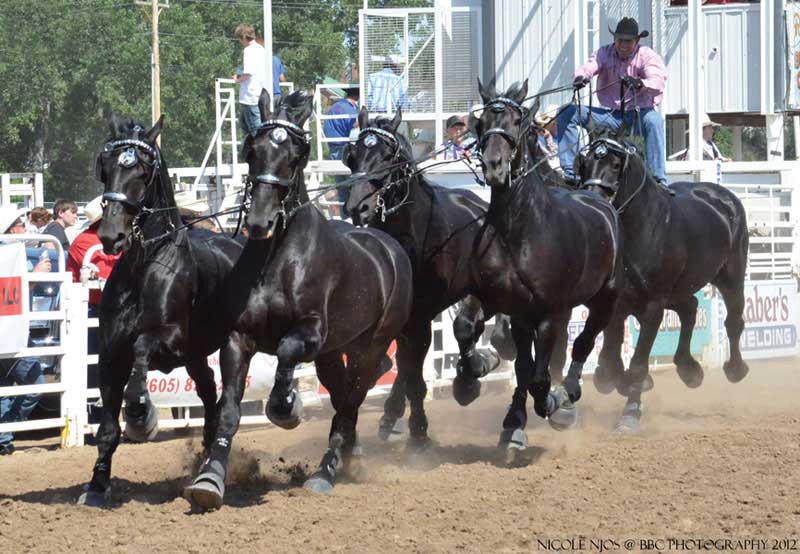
643	63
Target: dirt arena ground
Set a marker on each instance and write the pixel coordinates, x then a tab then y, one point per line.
719	462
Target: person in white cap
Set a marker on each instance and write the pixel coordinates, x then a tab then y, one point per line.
190	209
22	371
548	134
710	149
12	222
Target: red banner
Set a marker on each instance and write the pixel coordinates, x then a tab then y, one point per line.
10	296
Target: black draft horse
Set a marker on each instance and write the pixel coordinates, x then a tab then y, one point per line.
305	289
673	247
437	227
159	307
560	248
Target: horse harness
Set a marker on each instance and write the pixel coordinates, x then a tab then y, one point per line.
371	136
499	105
600	149
279	131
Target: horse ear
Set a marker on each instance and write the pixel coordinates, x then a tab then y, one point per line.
99	173
155	130
363	118
486	92
247	147
307	108
113	126
263	105
518	92
398	119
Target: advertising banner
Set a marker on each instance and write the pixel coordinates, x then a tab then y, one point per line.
793	55
669	333
13	298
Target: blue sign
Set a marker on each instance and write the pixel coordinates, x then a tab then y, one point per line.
669	333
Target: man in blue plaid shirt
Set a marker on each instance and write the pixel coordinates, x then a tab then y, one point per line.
387	90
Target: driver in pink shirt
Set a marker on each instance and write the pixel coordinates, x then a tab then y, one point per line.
643	71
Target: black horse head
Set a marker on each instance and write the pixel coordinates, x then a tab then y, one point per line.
378	155
135	178
608	165
276	156
500	130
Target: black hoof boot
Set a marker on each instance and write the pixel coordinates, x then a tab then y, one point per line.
477	363
208	488
391	428
285	411
141	421
94	498
466	390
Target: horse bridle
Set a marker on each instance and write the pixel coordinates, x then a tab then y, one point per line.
279	131
499	105
127	159
600	149
371	135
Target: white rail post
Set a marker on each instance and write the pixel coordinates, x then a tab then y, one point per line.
74	337
696	80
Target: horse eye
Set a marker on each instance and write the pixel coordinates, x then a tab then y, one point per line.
279	135
370	141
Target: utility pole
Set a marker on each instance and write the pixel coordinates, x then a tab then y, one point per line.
155	11
268	51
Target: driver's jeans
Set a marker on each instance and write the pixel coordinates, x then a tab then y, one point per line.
649	125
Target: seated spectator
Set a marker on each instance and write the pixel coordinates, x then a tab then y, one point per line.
23	371
710	149
12	222
548	137
190	209
65	214
38	218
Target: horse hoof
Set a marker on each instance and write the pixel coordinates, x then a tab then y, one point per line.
206	491
466	390
142	429
562	414
691	374
390	429
318	485
603	380
501	339
94	499
628	425
513	439
734	371
281	418
625	387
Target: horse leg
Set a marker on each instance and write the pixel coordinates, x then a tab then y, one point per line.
513	437
394	407
203	377
208	488
689	370
472	364
733	294
284	407
141	417
559	356
610	367
416	341
635	380
501	338
544	403
348	389
98	491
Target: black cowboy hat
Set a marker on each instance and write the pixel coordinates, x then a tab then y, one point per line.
627	29
454	121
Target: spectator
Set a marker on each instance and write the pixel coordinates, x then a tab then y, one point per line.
278	74
455	144
190	208
643	72
38	218
387	90
12	222
548	135
23	371
65	214
341	129
99	266
251	79
710	149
